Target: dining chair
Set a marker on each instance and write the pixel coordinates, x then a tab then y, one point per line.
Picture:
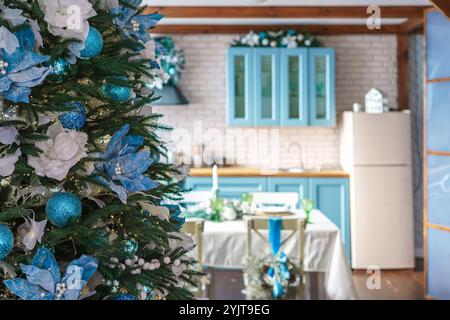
195	197
194	227
296	226
286	200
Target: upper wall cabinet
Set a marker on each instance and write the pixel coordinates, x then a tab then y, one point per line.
240	91
294	90
281	86
322	87
266	86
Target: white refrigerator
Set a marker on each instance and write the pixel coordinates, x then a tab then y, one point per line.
376	151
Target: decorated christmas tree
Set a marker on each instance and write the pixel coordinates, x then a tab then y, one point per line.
83	193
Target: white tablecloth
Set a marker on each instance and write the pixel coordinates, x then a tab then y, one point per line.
225	245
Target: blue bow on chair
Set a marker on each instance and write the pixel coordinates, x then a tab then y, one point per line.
278	272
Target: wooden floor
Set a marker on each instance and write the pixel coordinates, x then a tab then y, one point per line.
394	285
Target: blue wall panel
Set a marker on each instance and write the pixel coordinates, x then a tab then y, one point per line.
438	263
438	44
439	190
438	95
438	166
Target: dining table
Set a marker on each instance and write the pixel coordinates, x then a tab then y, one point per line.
325	262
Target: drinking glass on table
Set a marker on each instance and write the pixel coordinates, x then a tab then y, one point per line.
308	206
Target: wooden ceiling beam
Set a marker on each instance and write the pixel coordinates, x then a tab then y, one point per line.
242	29
412	25
443	6
286	12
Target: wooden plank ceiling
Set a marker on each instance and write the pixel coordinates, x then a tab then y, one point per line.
414	14
443	5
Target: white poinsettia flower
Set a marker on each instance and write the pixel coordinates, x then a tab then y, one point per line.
290	41
184	241
8	135
149	51
8	162
37	32
108	4
68	18
16	18
60	152
158	211
31	232
8	41
252	39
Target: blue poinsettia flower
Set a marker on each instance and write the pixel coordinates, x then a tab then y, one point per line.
133	24
18	71
125	165
43	278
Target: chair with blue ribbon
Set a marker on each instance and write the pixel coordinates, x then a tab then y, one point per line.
278	272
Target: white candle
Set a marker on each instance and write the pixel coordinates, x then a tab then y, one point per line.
215	179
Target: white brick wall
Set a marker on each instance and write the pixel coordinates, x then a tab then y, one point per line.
362	62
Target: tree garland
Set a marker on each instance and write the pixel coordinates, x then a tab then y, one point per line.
277	39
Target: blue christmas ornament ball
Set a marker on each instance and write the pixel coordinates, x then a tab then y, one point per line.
6	241
63	208
93	45
59	70
130	246
74	119
117	93
125	296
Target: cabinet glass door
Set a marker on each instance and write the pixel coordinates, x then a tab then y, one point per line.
239	91
321	87
294	87
267	84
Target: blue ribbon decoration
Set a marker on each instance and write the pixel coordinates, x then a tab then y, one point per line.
278	272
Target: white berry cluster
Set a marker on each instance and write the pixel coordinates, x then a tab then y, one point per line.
61	288
135	25
114	285
136	264
3	66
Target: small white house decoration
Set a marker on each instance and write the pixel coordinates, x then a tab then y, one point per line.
374	101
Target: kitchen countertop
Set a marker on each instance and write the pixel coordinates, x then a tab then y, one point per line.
255	172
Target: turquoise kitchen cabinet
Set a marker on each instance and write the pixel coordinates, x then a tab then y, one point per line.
229	187
266	82
322	110
294	87
332	197
281	87
240	86
298	185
